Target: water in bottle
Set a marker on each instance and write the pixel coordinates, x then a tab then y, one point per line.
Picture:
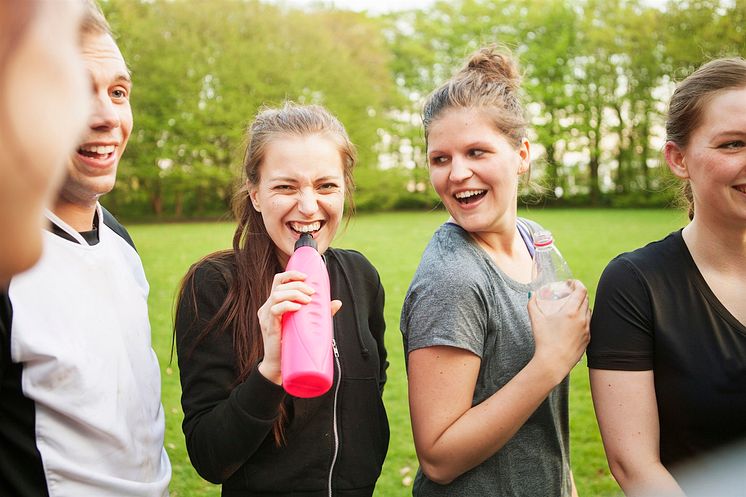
551	275
307	361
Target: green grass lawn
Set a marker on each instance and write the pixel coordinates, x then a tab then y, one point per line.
394	243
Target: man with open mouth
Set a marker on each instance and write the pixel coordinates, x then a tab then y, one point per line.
80	398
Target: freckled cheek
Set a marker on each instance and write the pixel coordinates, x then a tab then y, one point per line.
705	168
282	204
333	206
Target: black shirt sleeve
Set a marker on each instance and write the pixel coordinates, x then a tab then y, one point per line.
622	324
6	314
224	423
377	324
116	227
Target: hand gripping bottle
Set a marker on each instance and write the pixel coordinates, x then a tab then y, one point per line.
307	363
551	274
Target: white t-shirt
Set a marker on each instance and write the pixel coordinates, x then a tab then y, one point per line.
81	331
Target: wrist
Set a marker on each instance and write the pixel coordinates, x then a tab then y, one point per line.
547	370
271	372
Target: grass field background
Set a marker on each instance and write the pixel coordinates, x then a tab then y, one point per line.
394	243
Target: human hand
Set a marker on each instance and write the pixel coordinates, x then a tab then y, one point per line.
561	336
289	292
336	306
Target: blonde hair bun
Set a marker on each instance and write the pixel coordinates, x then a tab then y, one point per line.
496	65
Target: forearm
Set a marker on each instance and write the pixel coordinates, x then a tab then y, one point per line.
627	412
222	438
485	428
574	488
638	477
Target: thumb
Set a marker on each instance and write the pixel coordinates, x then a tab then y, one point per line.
336	305
532	307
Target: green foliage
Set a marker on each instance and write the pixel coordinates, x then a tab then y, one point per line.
597	75
393	189
201	72
394	243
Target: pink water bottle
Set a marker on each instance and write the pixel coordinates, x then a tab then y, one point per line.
307	363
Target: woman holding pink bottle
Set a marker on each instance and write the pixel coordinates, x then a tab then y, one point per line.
242	428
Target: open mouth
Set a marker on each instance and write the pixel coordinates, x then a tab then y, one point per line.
97	152
469	196
310	228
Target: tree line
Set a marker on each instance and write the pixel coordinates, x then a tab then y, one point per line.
597	76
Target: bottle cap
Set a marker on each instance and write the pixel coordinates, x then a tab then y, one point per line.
542	238
305	240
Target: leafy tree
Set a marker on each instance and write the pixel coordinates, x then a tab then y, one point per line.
202	70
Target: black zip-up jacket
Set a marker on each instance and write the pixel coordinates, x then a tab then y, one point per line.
228	427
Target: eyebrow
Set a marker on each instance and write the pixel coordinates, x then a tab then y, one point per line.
476	144
288	179
123	77
733	132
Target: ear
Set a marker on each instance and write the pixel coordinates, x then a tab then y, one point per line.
676	160
252	195
524	152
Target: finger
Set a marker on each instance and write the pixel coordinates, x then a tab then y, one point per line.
578	295
295	286
293	295
287	306
336	305
287	276
533	308
577	284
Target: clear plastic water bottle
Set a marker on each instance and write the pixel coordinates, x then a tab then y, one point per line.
306	363
551	275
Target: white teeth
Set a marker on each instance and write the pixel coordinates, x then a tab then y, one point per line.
468	193
98	149
306	228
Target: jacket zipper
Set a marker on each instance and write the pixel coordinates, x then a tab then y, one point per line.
336	434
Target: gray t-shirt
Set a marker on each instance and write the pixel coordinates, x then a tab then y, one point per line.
460	298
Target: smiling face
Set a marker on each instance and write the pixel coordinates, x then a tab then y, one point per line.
714	160
475	170
301	189
92	168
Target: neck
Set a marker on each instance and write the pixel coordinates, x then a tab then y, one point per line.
719	244
506	243
501	238
79	217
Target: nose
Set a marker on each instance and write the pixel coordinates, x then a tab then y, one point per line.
308	204
105	114
460	170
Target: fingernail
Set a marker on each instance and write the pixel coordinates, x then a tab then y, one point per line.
529	295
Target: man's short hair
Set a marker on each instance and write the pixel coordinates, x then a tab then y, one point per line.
94	21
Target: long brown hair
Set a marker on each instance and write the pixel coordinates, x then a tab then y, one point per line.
253	261
690	99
